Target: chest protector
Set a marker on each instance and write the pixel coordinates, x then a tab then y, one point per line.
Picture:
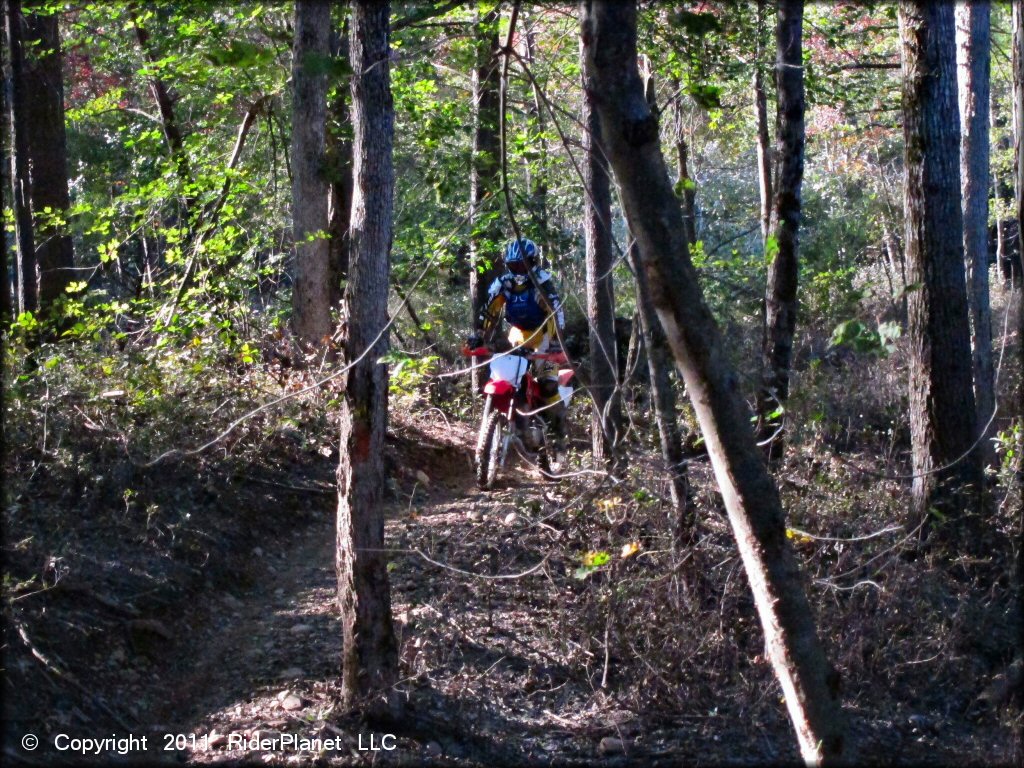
521	306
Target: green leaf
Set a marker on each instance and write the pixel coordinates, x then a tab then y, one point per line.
239	53
596	559
846	332
683	186
394	357
706	96
26	321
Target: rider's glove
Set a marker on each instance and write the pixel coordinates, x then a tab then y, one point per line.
474	342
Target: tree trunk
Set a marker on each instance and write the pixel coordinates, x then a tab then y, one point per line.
6	181
311	308
485	169
369	651
47	146
27	297
634	368
781	291
630	133
165	103
663	403
339	172
898	265
764	152
1018	143
1007	251
1003	198
947	473
606	415
973	47
538	176
1002	194
685	186
1018	153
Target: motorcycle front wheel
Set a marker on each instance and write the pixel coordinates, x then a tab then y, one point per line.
488	448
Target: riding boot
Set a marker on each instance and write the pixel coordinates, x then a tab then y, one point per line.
556	428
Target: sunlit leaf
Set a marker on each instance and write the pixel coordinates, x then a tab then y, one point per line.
630	549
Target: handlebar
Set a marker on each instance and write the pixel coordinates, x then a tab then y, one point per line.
554	357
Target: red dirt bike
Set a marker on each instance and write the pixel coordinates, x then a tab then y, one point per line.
513	411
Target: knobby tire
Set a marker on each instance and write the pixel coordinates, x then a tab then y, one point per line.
488	449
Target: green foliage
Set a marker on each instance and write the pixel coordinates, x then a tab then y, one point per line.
590	562
129	215
860	338
240	53
705	95
408	373
733	281
1009	445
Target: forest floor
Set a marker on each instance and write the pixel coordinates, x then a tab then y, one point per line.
219	624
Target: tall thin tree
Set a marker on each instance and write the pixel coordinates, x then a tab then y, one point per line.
6	175
537	169
764	150
631	138
165	105
485	166
369	650
597	220
973	44
947	470
1002	194
21	183
311	313
663	402
1018	139
48	156
780	298
339	173
1018	153
686	187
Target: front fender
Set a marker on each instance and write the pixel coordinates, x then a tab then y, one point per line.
498	388
501	393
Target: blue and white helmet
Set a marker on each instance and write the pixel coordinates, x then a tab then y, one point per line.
523	250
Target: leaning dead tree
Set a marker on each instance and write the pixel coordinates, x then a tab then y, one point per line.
652	211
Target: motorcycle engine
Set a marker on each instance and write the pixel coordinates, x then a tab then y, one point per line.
533	437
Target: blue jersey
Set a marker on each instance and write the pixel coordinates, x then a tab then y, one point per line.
523	308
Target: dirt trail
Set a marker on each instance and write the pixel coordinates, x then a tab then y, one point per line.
265	662
494	673
281	634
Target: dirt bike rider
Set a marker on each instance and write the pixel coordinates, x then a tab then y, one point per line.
534	310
